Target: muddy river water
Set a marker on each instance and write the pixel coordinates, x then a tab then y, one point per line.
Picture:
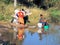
7	37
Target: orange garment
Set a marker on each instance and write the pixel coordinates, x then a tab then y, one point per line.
20	33
20	17
21	21
20	14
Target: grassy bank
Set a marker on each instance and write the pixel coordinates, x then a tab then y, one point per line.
8	10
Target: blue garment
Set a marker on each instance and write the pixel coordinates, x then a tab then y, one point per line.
17	15
46	26
40	20
45	23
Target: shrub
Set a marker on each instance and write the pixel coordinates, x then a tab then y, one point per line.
55	15
1	17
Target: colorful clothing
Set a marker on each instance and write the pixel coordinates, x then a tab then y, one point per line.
46	26
20	33
21	22
20	17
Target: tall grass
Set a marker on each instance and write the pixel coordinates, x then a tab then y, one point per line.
54	15
8	10
35	16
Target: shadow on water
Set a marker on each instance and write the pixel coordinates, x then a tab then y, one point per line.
33	38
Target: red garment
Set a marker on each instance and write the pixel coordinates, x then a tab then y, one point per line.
20	14
20	37
20	17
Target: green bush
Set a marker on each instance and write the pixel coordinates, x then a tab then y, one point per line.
55	15
1	17
6	1
8	17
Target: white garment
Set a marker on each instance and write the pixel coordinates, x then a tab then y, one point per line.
39	31
23	12
16	11
39	25
15	16
15	20
28	12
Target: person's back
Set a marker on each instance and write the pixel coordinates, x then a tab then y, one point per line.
21	15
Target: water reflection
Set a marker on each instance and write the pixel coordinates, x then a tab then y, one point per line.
34	39
31	38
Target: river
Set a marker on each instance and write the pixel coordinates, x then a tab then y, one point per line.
31	37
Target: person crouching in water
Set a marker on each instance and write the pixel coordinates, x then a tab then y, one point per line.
21	23
40	24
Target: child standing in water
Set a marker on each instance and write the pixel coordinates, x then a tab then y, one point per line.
46	25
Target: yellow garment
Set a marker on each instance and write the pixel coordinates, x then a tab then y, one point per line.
21	20
20	33
20	30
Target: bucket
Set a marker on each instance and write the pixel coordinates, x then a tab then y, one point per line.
46	28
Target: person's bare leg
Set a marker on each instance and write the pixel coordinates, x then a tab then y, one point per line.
42	30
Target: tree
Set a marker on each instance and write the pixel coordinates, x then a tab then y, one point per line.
15	3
